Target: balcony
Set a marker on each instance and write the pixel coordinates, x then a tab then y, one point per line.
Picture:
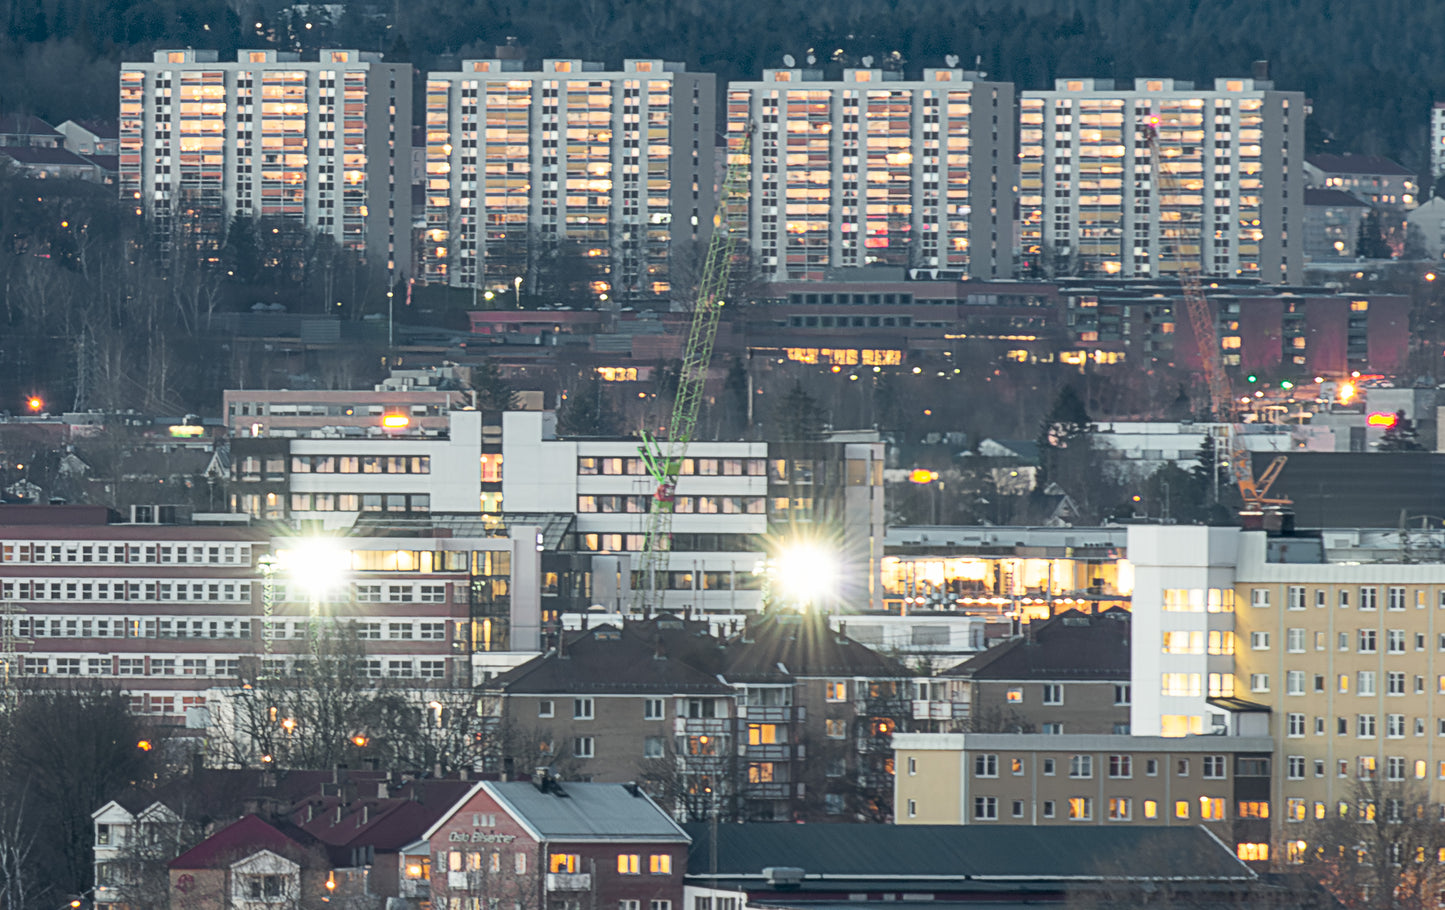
773	790
689	726
415	887
769	713
939	710
772	752
569	881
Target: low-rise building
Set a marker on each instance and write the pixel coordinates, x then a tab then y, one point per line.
1066	675
549	845
1220	782
1332	224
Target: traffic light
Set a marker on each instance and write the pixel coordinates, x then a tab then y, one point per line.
1286	384
1252	378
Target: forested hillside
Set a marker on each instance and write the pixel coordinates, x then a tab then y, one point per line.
1372	68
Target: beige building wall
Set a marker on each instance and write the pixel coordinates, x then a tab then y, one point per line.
1349	660
1013	779
1068	707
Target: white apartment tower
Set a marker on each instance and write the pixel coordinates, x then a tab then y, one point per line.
324	142
876	169
1437	139
1233	166
614	165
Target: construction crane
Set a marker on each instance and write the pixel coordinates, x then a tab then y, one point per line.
664	457
1254	491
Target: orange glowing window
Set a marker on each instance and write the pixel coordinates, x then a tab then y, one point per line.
395	421
1382	420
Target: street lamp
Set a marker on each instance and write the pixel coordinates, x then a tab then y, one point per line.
517	283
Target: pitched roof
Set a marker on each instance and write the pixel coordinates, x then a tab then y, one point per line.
100	129
1357	164
607	659
1071	645
25	125
29	154
779	646
961	851
385	824
1336	198
586	811
247	836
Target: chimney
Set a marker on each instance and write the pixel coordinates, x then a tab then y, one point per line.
383	789
198	764
842	631
1260	69
562	640
584	621
632	788
658	651
509	768
540	778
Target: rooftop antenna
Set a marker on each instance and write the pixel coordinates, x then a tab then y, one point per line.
789	61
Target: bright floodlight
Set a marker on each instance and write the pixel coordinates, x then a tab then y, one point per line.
316	563
805	573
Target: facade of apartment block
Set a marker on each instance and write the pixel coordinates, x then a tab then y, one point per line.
1228	195
614	164
1221	782
874	169
324	142
1335	641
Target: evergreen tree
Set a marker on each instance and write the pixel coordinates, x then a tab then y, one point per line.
1370	242
735	398
494	393
797	417
585	413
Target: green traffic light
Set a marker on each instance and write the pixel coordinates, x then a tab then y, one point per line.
1286	385
1252	378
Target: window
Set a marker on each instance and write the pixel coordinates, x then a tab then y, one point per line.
1122	693
1181	808
1367	598
836	690
1053	694
1181	767
1395	768
1259	641
985	765
1395	683
985	808
1049	762
1395	726
1295	767
1365	726
582	747
1017	808
1294	682
1211	808
1052	729
652	709
1296	597
1259	682
1016	765
1259	597
1295	641
1121	766
566	863
1395	641
1015	696
1081	766
581	709
1366	682
1120	808
1296	725
660	864
1213	767
545	708
1081	808
1048	808
628	864
835	728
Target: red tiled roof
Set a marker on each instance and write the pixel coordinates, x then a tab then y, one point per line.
247	836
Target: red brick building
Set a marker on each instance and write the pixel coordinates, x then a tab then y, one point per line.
544	845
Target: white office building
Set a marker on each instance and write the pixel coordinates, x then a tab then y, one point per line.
324	142
1231	193
876	169
573	159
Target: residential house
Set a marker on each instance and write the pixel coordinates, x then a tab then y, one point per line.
1068	674
1332	224
1428	224
91	137
46	162
785	718
24	130
250	865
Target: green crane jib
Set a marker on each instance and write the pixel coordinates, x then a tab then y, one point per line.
664	457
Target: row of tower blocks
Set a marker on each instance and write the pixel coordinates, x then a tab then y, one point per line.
946	170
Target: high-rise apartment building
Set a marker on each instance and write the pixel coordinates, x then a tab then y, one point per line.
324	142
1230	197
614	166
875	169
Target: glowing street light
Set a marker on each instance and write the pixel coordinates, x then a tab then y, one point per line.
35	403
804	573
315	563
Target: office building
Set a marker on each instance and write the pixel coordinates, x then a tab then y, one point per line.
1437	139
612	168
325	143
1230	195
875	169
177	615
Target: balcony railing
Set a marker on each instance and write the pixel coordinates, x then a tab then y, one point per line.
939	710
772	790
416	887
569	881
685	726
773	713
773	752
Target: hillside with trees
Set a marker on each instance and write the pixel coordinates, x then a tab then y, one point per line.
1370	69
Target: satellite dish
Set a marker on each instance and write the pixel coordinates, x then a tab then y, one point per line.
788	61
867	61
812	59
951	60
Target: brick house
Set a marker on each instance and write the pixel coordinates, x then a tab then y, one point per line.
546	845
